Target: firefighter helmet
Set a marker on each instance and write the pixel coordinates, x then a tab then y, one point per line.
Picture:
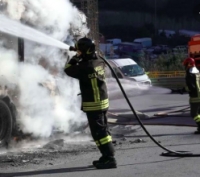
86	46
189	62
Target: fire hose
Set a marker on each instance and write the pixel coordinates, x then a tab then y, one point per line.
168	152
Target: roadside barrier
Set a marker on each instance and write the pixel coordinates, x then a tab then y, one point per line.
158	74
168	79
169	82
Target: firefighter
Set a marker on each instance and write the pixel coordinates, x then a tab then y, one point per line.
192	79
89	69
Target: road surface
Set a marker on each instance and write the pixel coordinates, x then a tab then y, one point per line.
136	154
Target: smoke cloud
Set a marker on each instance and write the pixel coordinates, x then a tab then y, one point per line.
47	99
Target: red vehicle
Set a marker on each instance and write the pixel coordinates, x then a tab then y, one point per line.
194	48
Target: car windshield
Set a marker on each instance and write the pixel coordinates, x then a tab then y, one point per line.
132	70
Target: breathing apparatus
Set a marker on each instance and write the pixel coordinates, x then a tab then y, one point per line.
88	46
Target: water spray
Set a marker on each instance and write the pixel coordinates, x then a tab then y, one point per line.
20	30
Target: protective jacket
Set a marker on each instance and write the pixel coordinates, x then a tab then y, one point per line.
91	76
193	86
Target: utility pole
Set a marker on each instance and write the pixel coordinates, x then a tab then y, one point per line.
21	49
90	9
155	16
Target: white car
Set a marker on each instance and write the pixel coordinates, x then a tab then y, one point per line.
128	68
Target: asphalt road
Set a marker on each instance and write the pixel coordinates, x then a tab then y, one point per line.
136	154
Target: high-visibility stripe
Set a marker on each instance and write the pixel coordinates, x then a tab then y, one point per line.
95	103
95	90
96	108
93	106
67	66
105	140
197	118
100	106
198	86
194	100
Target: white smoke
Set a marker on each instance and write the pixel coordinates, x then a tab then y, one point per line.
15	8
9	70
48	98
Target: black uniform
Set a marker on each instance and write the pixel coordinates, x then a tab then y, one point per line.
95	102
193	88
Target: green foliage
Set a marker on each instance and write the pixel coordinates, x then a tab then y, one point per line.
168	62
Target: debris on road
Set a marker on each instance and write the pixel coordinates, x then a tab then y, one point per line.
139	140
56	144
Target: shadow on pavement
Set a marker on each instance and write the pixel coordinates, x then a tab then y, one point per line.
50	171
146	147
149	110
159	135
143	163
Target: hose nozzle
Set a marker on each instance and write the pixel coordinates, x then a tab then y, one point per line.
71	48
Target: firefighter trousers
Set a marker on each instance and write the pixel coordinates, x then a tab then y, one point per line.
99	130
195	112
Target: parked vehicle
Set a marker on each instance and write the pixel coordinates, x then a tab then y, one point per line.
130	50
114	41
144	42
105	48
128	68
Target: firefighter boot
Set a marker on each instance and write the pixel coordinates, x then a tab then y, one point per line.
100	159
107	160
106	163
198	129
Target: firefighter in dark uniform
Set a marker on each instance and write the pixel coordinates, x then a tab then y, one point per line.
192	79
89	69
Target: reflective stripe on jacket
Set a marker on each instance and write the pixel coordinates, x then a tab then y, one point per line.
91	76
193	87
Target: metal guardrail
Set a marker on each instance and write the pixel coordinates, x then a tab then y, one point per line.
167	79
159	74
